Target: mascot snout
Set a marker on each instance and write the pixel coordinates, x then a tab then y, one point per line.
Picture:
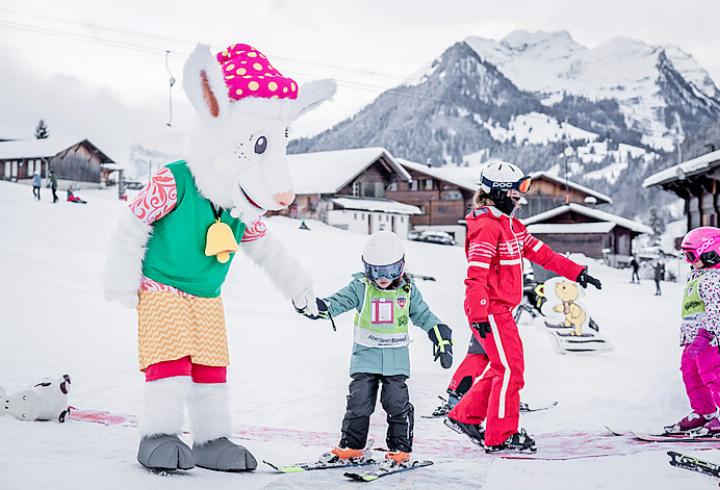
284	199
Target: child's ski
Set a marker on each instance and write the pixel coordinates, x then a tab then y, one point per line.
332	462
318	465
381	472
664	437
674	438
692	463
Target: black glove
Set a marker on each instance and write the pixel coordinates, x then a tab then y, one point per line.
482	328
322	307
441	336
584	279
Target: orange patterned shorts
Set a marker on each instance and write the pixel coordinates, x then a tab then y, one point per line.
171	326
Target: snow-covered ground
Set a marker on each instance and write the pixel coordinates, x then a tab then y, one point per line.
291	373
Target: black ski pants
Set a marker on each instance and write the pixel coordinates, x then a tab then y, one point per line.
361	400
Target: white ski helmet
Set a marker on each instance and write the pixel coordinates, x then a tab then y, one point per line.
503	176
383	248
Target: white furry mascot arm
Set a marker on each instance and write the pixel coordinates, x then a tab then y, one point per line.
284	270
123	269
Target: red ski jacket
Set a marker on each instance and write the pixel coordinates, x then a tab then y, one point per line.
495	246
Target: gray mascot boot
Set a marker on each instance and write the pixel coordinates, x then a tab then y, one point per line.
210	425
160	447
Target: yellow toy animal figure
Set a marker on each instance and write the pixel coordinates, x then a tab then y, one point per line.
575	316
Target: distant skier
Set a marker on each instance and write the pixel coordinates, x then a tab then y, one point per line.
495	246
659	271
700	362
52	184
635	279
36	184
385	299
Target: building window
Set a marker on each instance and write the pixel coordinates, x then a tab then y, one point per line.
393	186
355	216
428	184
414	185
452	195
356	188
402	219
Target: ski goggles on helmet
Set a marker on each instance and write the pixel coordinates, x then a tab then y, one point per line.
390	271
708	259
522	185
690	256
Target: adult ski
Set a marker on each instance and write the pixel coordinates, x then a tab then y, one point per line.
382	472
683	461
444	409
527	408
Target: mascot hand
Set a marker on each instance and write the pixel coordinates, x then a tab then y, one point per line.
307	301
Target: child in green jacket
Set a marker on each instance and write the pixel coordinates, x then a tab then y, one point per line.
384	298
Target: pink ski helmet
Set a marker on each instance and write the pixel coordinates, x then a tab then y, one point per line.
703	244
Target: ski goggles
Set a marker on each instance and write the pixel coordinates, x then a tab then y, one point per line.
522	185
390	271
690	256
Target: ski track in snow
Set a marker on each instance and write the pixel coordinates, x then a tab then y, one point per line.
289	375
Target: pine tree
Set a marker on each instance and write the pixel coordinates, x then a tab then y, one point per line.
41	130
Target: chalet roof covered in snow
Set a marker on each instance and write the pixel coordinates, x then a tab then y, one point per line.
463	177
573	185
382	205
563	228
47	148
34	148
684	169
326	172
596	214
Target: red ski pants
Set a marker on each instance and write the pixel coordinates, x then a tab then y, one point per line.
495	397
471	368
185	367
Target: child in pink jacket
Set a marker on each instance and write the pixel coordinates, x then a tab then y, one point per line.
700	364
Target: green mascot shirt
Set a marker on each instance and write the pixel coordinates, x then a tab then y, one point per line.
176	250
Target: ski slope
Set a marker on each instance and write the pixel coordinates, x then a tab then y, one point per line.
289	375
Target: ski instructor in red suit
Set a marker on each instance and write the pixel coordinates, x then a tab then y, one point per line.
495	246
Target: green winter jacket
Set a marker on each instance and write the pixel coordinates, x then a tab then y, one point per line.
384	361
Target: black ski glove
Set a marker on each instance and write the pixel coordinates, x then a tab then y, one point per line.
482	328
441	336
322	307
584	279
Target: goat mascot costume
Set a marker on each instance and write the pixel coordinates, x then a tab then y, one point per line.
172	251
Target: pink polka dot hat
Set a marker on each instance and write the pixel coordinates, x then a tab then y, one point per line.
248	73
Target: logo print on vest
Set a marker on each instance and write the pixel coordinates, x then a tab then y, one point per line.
402	301
382	311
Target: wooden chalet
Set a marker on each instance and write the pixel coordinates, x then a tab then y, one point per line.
74	161
348	189
574	228
695	181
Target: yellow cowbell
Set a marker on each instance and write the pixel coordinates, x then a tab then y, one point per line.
220	241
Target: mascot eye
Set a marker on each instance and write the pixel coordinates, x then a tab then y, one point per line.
261	145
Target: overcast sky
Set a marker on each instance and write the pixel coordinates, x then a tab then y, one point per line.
80	84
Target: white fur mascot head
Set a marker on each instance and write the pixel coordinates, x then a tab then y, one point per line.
238	152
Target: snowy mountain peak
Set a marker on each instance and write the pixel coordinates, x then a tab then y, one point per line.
623	69
523	40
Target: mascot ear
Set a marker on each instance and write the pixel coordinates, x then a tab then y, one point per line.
314	93
204	85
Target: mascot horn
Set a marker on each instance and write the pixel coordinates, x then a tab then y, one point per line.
172	251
